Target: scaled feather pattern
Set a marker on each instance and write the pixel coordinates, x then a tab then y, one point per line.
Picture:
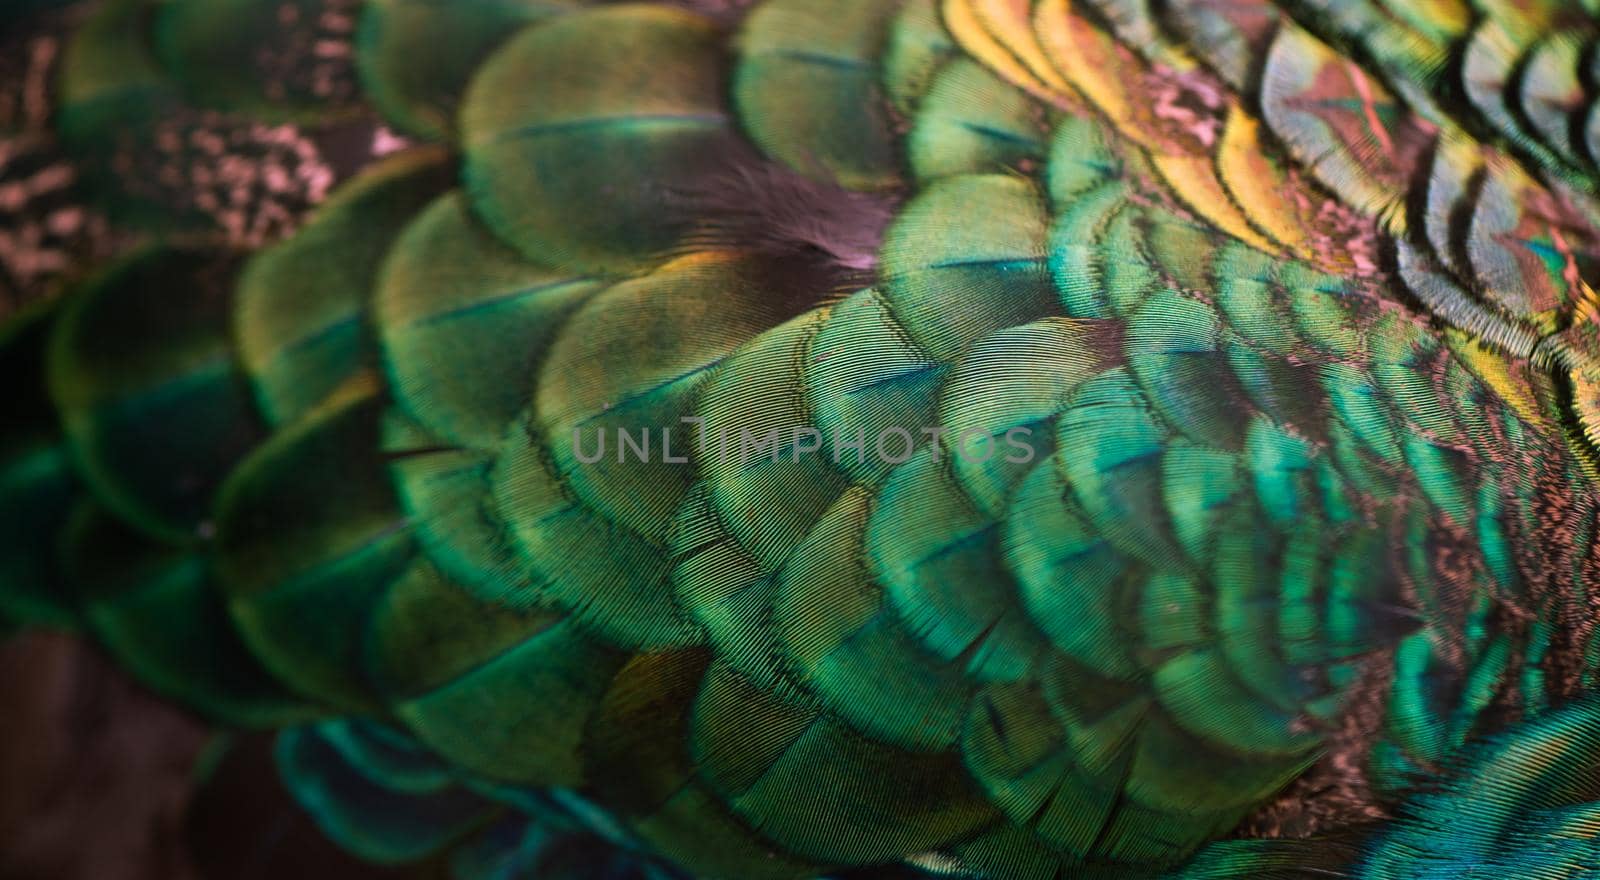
1165	434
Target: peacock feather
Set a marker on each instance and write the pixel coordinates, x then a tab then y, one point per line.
994	439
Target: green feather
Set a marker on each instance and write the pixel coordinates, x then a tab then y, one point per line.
1304	481
977	239
152	400
865	375
751	510
114	99
453	305
299	318
575	173
416	57
913	50
38	483
445	494
639	762
827	793
275	60
1175	353
807	88
972	122
598	383
838	637
302	567
935	554
558	676
156	610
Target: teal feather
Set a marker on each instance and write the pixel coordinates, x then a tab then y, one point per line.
363	814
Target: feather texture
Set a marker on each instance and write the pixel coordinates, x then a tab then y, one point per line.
963	438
